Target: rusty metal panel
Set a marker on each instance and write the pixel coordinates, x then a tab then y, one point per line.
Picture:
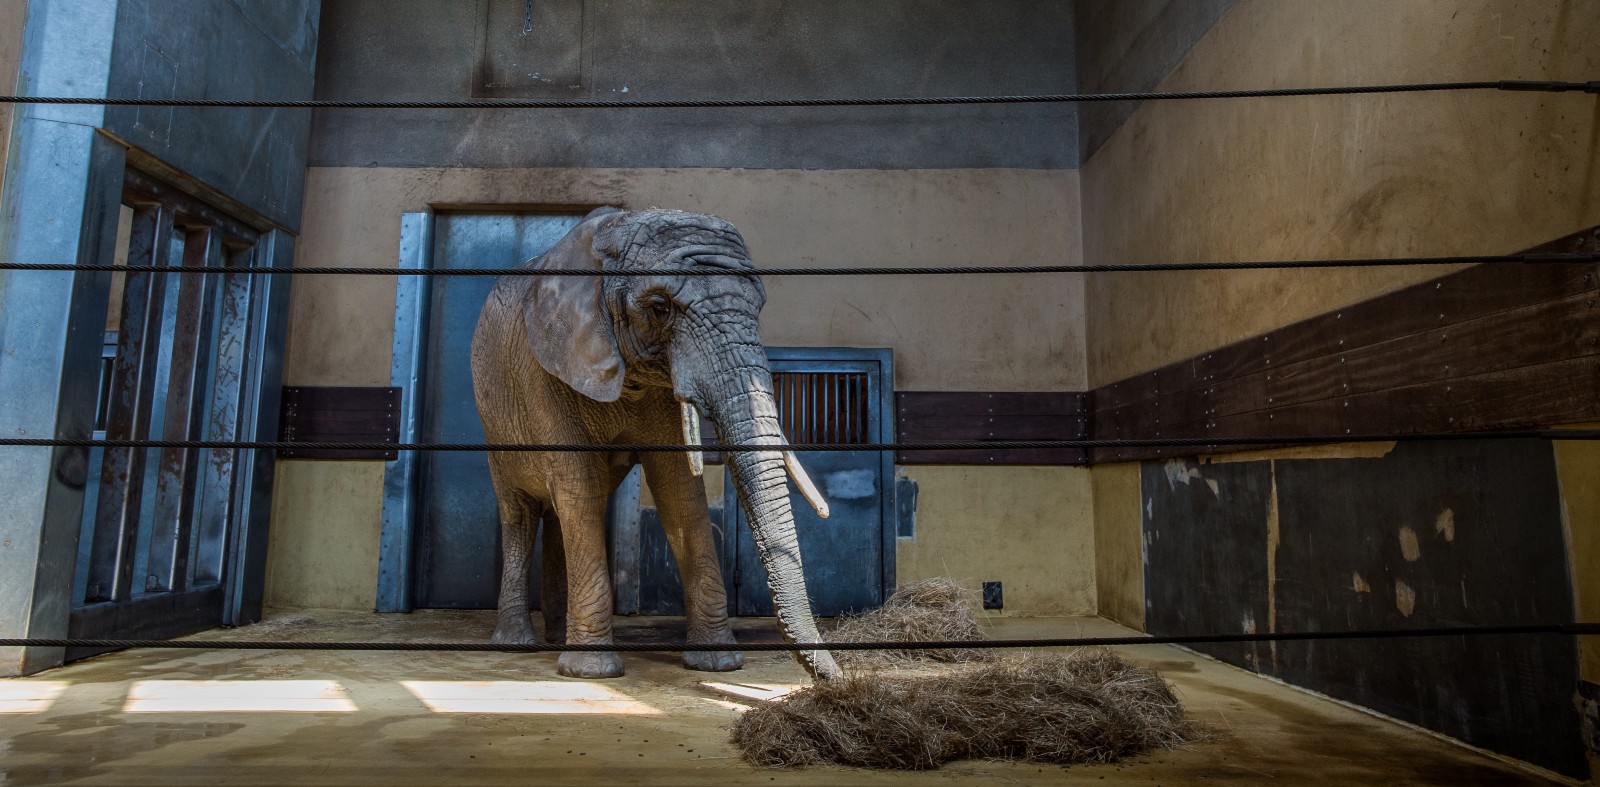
133	387
215	504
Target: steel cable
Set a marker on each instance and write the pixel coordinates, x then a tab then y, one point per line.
1364	262
1564	629
997	445
1519	85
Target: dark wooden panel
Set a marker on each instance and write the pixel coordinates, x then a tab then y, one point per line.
1206	562
1553	393
1434	535
963	416
340	414
1491	346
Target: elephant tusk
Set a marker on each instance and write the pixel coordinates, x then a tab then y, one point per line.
802	482
691	436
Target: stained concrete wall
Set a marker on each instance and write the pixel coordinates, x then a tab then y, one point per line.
13	17
1423	174
711	49
990	333
250	159
1129	46
1394	175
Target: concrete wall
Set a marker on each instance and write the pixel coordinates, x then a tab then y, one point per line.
1423	174
713	49
1129	46
991	333
251	159
13	17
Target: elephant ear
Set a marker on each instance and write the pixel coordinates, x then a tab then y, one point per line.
566	320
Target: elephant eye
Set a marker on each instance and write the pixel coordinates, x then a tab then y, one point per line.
659	306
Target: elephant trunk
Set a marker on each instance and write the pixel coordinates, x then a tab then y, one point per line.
748	415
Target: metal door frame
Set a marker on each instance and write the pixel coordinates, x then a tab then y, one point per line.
880	432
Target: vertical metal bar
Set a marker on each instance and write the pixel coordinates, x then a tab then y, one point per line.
400	492
166	569
214	509
165	338
122	473
245	575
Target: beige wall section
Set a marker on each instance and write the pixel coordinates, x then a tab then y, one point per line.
1388	175
948	333
13	18
1031	528
1578	466
945	330
323	550
1119	543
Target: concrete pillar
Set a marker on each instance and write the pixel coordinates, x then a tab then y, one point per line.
62	189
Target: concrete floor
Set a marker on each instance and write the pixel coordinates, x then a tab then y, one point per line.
287	717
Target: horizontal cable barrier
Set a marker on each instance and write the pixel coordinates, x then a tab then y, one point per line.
997	445
1561	629
1521	85
1364	262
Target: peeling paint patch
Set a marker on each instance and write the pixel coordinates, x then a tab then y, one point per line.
1248	624
1216	489
1445	525
1179	472
1358	584
1409	548
852	484
1405	599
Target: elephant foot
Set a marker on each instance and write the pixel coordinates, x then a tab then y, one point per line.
590	665
514	630
713	660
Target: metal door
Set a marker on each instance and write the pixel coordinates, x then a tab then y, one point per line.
456	562
171	539
830	396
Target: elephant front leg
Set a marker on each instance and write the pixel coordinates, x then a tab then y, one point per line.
681	502
588	588
513	626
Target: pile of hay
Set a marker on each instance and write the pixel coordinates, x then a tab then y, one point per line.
933	610
1086	706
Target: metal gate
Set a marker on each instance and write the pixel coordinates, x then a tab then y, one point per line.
165	531
828	395
835	396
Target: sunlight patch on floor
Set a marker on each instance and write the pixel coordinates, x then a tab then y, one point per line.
29	696
238	696
505	696
760	692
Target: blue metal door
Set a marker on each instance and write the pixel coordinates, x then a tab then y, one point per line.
828	396
456	559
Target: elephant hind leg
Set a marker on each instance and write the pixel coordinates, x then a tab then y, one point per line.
553	581
518	516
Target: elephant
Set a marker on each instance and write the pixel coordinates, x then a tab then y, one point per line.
602	359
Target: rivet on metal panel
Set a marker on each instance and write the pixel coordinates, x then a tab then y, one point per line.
1438	285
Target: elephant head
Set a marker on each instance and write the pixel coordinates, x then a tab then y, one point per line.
609	337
